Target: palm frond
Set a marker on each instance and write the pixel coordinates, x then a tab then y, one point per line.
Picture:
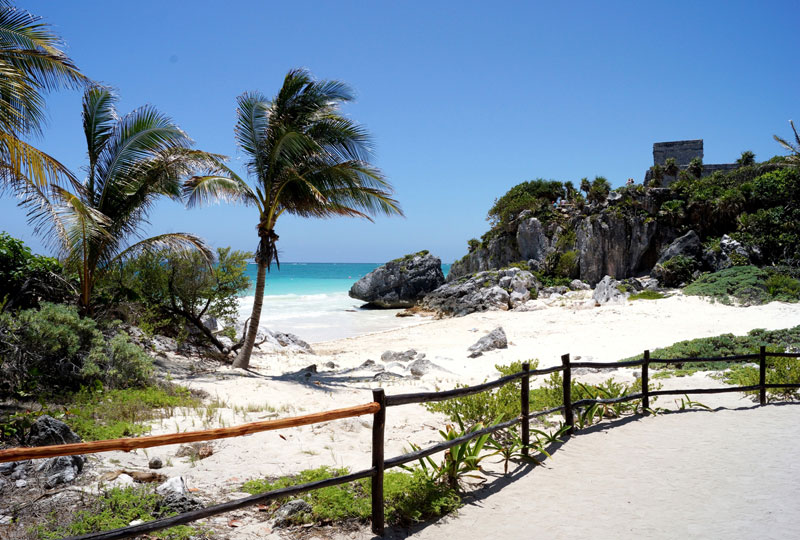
99	120
176	242
203	190
22	163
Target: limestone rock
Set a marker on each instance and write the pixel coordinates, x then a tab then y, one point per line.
578	285
177	503
47	431
485	291
155	463
400	283
422	366
176	484
496	339
406	356
289	509
60	470
607	291
688	245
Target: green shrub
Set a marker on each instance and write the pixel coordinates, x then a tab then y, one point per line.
726	345
115	509
408	498
55	349
779	371
567	265
536	195
25	277
677	270
749	285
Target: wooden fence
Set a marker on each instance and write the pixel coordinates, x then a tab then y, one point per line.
378	409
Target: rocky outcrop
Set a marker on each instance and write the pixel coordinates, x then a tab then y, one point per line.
622	237
485	291
688	245
400	283
48	431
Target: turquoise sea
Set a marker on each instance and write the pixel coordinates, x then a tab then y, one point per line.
311	300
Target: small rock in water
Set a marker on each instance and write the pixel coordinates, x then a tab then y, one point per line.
155	463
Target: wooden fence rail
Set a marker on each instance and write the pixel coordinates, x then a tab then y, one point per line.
378	409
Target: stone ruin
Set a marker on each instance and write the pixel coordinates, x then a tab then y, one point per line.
683	152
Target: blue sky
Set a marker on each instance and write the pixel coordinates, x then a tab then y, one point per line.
463	99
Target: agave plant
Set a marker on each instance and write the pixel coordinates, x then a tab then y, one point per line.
31	64
133	161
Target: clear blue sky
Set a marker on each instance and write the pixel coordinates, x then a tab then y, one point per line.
464	99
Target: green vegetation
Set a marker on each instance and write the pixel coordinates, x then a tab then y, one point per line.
725	345
33	64
54	350
409	497
164	290
678	270
779	371
501	404
536	195
748	285
114	509
134	160
25	277
647	295
326	174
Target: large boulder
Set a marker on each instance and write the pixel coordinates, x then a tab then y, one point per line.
47	431
400	283
688	245
607	291
485	291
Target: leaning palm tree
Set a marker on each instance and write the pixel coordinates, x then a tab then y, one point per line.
305	159
794	159
132	162
31	64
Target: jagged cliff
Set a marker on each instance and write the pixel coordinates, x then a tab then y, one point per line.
622	237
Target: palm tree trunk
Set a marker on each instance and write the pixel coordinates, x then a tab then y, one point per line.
243	358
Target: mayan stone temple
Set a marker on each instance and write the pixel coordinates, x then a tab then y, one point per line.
683	152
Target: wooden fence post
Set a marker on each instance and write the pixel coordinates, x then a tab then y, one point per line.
567	383
646	383
762	375
378	425
525	408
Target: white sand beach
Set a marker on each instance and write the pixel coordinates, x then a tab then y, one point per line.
688	475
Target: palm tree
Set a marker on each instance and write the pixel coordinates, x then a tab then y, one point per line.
133	161
31	64
794	159
305	159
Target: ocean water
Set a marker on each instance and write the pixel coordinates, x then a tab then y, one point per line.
311	300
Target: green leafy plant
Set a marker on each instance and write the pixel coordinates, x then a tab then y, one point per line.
460	461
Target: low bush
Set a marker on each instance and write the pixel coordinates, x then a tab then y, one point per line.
779	371
55	349
748	285
725	345
114	509
408	497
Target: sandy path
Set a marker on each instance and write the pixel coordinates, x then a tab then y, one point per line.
723	474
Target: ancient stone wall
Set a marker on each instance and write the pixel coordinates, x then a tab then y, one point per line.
683	151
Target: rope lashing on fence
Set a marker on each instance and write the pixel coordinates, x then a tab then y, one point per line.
16	454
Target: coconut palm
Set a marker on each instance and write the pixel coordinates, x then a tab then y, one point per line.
794	159
132	162
31	64
305	159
